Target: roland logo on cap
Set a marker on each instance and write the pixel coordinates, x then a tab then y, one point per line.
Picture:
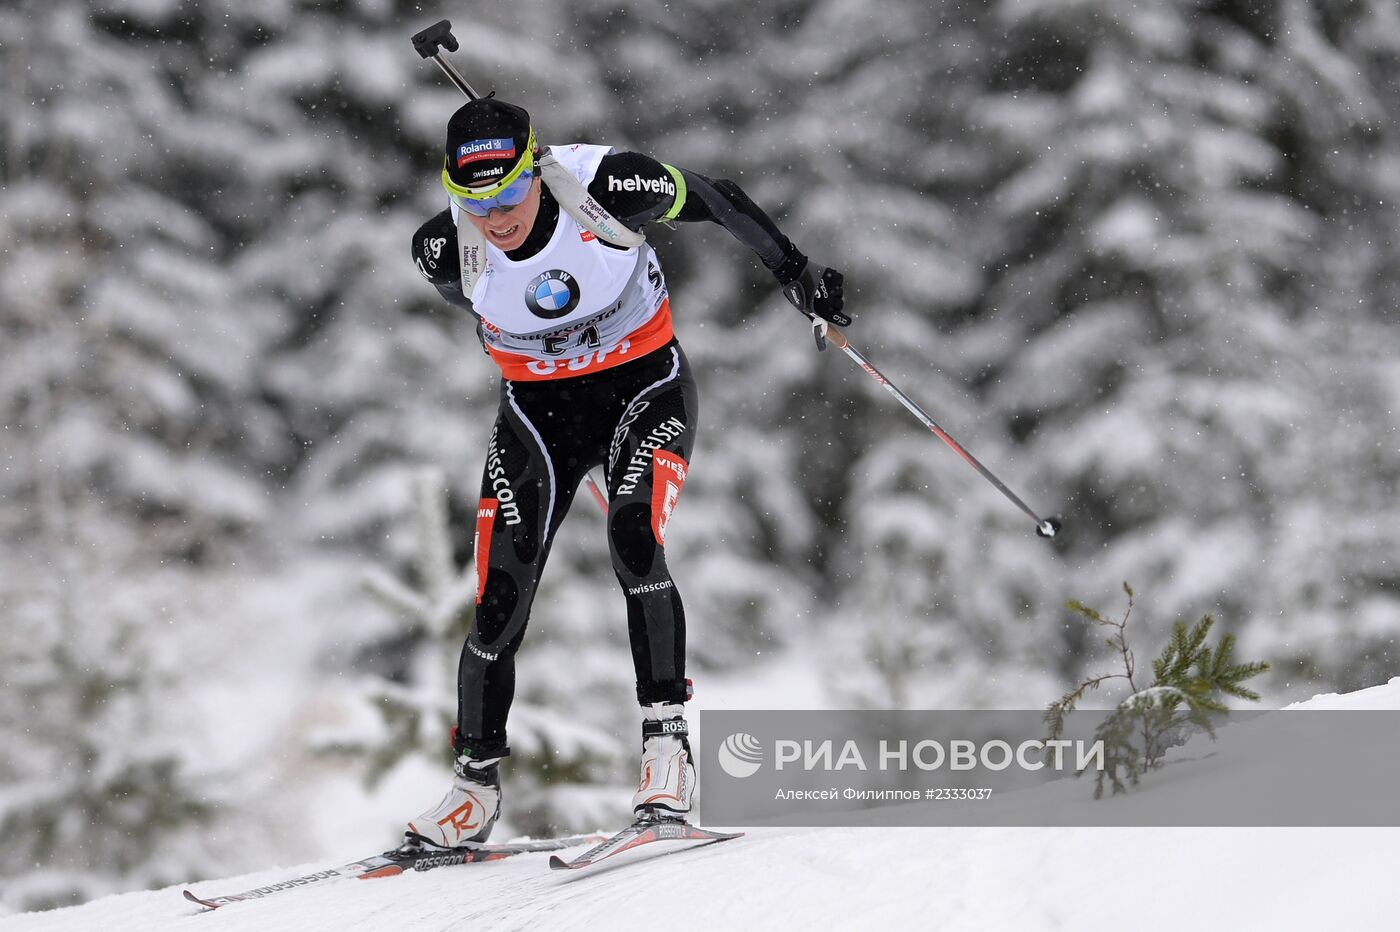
479	149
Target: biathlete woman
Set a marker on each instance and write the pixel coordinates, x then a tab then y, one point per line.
542	245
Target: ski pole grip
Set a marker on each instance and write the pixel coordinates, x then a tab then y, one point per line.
438	35
429	44
835	337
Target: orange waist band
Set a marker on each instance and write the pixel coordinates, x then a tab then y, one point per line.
652	335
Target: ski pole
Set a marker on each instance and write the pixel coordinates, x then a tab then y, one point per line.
598	495
1047	527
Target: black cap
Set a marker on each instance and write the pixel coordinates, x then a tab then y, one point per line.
485	138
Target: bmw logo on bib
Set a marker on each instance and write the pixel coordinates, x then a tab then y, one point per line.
552	295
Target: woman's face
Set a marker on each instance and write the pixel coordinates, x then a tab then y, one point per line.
507	229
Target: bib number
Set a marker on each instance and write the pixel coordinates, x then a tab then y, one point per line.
588	337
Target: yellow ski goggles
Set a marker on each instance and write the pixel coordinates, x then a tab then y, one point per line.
509	192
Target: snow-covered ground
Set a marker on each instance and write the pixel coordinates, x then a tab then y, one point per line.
946	878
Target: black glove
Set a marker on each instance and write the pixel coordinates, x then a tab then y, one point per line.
818	292
435	250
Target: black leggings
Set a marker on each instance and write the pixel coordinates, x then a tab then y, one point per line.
636	420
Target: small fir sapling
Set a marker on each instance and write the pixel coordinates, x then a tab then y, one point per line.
1190	681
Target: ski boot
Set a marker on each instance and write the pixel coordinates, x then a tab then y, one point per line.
668	775
470	809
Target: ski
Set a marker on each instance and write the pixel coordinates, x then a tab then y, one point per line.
393	863
642	832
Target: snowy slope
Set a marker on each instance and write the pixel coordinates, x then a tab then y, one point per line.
951	879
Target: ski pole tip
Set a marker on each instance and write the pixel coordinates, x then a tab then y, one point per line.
1049	527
